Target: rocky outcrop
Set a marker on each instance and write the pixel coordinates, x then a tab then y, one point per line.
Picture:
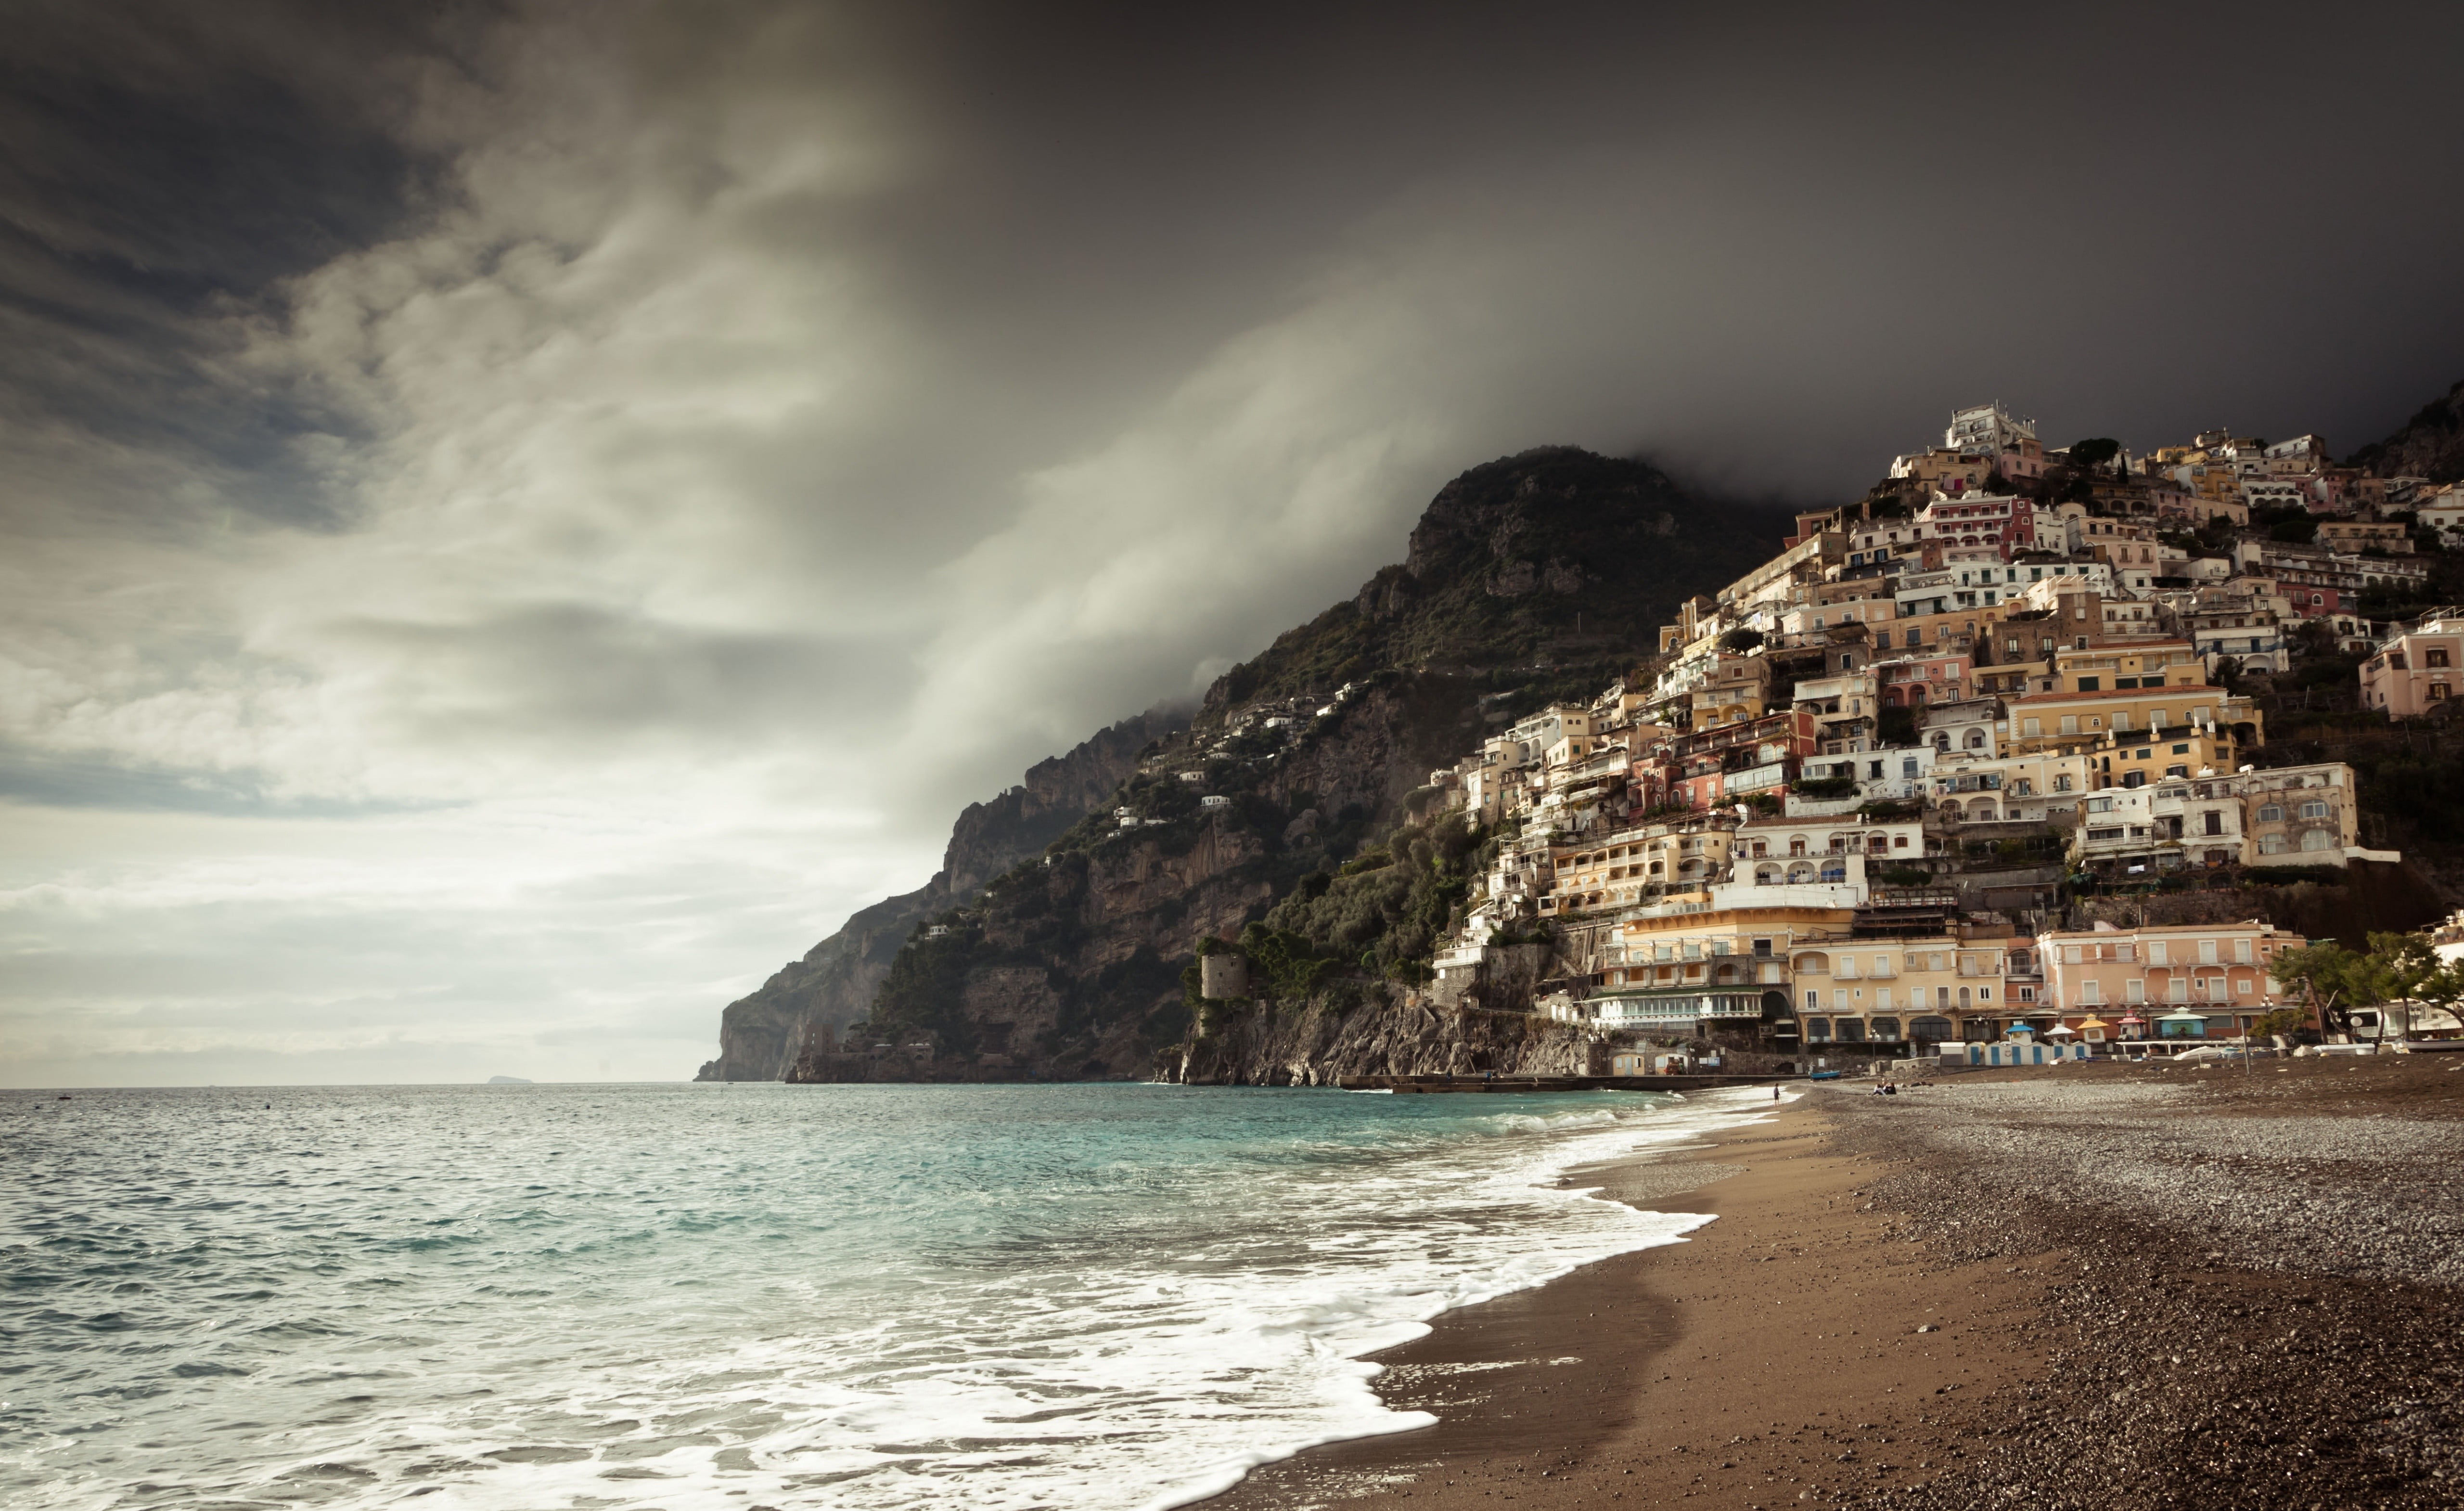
2431	445
1387	1032
760	1035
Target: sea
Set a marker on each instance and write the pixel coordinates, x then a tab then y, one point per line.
515	1297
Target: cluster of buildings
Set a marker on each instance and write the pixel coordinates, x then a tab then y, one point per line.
1972	678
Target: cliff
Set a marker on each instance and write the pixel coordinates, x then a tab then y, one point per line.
1323	1042
1538	576
2430	444
760	1035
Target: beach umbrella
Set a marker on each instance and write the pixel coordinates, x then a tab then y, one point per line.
2060	1031
2086	1024
2023	1027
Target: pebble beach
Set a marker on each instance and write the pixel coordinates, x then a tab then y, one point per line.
2084	1287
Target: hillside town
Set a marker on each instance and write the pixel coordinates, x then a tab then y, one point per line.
1838	809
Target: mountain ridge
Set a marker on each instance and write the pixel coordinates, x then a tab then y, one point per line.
1523	578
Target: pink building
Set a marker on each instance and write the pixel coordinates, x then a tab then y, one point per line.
1917	681
2000	522
2415	671
2165	981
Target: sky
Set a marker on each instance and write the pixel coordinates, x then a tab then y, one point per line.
515	518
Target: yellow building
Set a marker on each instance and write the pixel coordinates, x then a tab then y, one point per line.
1738	690
2155	664
1959	630
1621	867
1927	989
2078	720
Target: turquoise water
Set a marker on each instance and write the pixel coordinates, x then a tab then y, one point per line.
535	1296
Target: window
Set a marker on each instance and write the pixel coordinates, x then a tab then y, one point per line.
2271	814
2270	844
2242	952
2088	684
2317	840
2314	810
2435	655
2207	953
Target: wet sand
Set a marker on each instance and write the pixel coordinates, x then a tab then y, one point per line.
2111	1286
1771	1356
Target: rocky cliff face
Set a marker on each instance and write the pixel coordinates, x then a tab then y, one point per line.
760	1035
1542	575
2431	445
1391	1034
1070	967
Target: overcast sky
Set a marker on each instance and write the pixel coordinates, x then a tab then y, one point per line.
515	520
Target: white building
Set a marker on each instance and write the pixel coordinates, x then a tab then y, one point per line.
1988	428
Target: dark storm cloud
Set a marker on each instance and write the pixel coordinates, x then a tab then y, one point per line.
727	437
160	167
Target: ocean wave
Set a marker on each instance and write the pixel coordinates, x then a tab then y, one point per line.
1083	1296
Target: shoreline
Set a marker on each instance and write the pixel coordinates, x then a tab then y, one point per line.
2107	1286
1724	1366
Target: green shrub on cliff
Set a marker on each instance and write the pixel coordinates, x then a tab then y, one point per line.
1388	919
1282	963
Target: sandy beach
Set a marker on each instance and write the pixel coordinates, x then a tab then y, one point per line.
2096	1286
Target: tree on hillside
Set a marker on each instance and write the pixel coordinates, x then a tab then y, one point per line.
2095	451
2398	970
2325	974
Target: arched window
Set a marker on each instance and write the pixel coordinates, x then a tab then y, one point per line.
2317	840
1942	740
1835	871
1767	876
1976	740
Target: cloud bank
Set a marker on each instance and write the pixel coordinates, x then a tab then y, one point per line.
521	517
